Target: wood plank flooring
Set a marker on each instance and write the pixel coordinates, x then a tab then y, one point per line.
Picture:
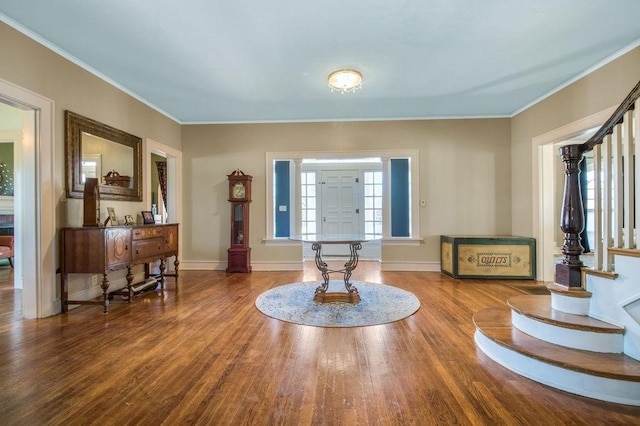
203	354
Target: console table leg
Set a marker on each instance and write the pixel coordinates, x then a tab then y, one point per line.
175	264
162	266
105	293
351	265
130	283
64	292
322	266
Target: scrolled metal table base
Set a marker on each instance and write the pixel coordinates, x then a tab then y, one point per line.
351	296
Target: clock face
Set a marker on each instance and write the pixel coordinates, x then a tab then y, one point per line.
238	190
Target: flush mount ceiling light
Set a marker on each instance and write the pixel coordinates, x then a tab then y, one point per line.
345	81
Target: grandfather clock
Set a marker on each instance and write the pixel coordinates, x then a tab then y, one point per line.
239	254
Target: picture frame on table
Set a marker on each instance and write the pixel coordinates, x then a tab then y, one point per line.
111	212
128	220
147	218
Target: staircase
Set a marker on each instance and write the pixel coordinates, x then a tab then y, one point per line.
556	340
584	338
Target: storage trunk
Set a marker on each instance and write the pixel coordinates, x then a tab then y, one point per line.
506	257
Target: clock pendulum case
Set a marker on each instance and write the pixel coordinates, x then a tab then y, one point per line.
239	253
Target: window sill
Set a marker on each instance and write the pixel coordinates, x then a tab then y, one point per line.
386	241
401	241
280	242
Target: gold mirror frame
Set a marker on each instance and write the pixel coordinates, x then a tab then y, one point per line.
75	126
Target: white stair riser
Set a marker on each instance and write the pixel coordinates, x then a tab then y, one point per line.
602	388
570	305
612	299
568	337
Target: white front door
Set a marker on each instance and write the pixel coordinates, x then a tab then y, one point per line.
339	210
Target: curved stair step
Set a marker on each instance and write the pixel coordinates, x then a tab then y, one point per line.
535	316
604	376
539	307
570	300
579	293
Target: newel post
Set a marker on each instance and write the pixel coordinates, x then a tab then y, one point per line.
568	273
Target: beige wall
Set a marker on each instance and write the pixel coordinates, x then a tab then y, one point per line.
464	177
599	90
34	67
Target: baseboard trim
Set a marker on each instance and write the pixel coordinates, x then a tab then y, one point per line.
96	291
207	265
277	266
410	266
202	265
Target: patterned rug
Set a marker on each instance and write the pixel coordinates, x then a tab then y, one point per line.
379	304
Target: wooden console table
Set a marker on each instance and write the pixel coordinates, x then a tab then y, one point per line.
102	250
355	244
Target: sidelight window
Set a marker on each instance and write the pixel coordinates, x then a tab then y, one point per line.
373	204
308	203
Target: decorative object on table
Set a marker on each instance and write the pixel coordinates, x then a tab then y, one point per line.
128	220
380	304
91	202
115	179
111	217
147	218
239	254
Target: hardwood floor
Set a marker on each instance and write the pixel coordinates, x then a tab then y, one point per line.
205	355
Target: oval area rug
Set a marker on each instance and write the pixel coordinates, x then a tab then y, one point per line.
379	304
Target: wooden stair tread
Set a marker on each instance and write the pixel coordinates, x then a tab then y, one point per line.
495	323
570	292
539	307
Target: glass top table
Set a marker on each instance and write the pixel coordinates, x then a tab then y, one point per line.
354	241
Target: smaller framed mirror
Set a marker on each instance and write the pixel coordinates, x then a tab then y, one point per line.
96	150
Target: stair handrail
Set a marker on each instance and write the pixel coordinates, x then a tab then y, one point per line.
616	118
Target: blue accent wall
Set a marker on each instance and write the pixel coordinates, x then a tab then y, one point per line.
400	226
282	198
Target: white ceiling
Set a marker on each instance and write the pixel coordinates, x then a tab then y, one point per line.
211	61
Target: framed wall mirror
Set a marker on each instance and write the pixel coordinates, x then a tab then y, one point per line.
100	151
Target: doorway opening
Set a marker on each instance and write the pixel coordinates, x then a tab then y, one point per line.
34	203
159	188
11	123
171	211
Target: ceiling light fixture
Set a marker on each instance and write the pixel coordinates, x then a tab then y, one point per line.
345	81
